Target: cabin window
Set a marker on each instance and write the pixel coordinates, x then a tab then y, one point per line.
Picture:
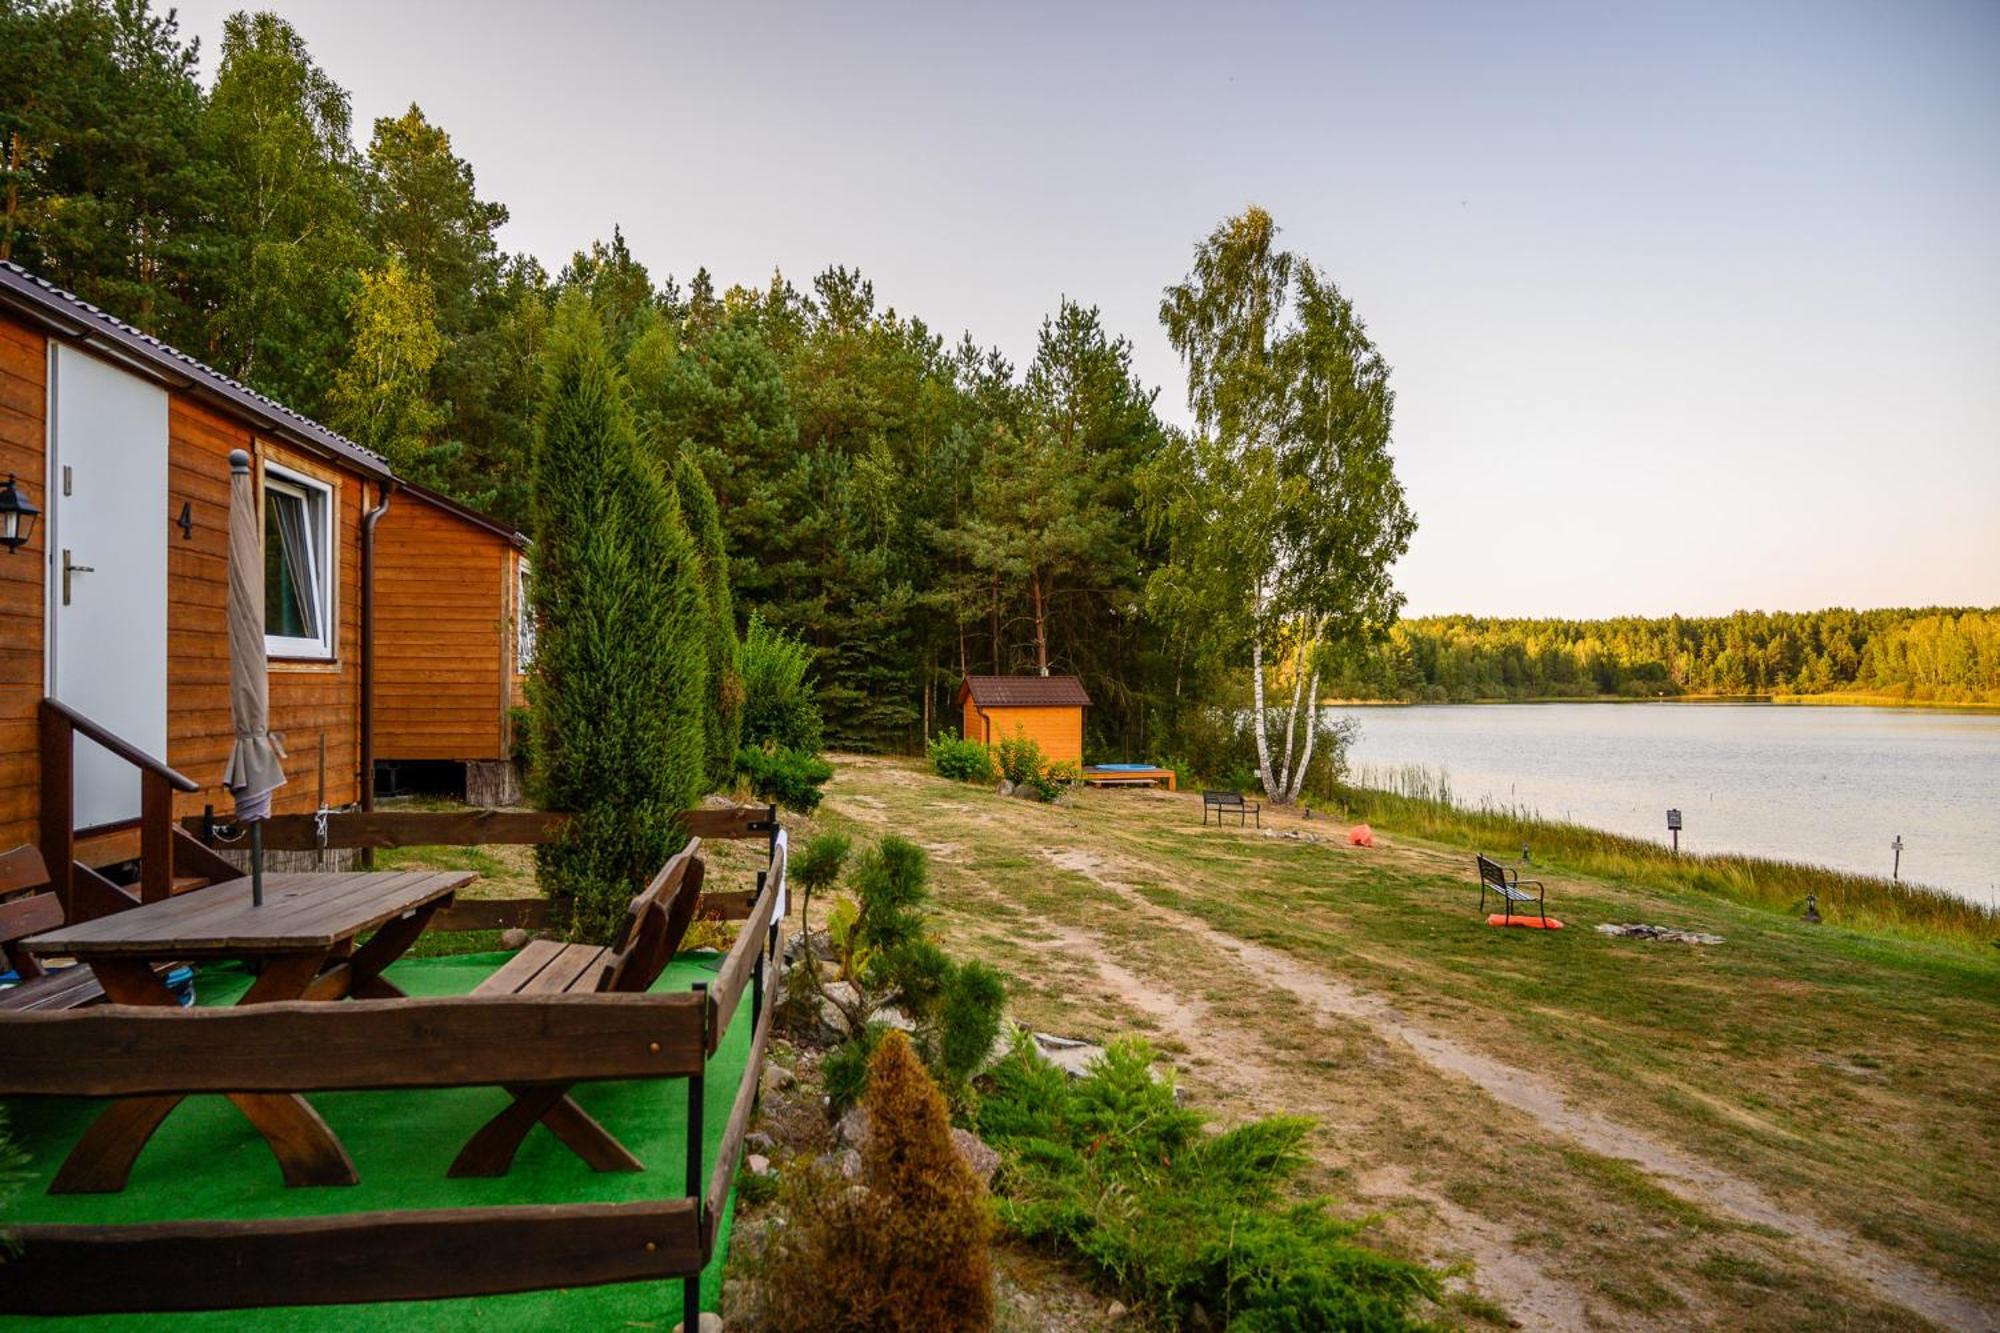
298	565
524	621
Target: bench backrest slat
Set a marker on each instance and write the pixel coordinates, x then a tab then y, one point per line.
26	913
1491	873
1222	798
22	868
655	924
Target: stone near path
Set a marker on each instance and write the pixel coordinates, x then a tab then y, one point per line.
1669	933
851	1131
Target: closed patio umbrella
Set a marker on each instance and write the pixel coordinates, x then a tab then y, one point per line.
254	771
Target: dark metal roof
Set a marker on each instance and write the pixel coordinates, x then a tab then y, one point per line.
68	316
1024	692
478	520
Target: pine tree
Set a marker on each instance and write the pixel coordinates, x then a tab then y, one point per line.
935	1228
723	718
621	683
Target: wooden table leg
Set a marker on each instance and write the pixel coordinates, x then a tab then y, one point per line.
307	1151
491	1151
384	947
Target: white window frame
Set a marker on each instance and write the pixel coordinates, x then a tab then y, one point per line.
524	619
319	502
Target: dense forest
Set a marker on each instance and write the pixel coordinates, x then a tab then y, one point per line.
915	507
1935	654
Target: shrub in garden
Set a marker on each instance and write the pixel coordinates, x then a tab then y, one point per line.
961	760
937	1231
13	1173
621	675
790	778
1054	780
779	706
723	722
1110	1170
910	1252
1021	759
882	951
815	868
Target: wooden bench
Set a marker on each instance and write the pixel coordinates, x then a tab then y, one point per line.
654	926
1496	878
1230	803
28	906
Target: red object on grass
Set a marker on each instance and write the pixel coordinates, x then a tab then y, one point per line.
1361	836
1527	922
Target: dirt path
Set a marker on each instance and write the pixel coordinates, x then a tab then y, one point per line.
1227	1055
1529	1294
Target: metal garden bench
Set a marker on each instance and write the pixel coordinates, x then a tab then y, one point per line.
1496	878
1230	803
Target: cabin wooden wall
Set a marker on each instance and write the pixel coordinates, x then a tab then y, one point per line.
308	698
24	367
444	635
1059	731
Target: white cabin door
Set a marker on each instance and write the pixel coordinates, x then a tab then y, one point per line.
108	570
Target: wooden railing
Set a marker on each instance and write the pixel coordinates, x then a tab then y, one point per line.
60	726
379	829
512	1041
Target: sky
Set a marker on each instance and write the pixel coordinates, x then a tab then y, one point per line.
1691	307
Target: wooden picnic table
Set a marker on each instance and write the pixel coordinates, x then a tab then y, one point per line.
301	943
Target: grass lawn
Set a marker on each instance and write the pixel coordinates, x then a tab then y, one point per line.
1799	1127
206	1162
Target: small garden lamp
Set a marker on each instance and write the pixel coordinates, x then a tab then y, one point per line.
17	516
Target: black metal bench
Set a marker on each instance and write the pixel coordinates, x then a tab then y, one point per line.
1496	878
1230	803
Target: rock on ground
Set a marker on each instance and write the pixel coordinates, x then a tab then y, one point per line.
711	1322
852	1132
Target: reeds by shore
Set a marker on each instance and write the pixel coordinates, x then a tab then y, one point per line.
1417	800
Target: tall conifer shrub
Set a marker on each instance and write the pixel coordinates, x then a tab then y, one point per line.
621	668
723	721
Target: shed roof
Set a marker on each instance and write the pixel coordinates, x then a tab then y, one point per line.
476	518
65	315
1024	692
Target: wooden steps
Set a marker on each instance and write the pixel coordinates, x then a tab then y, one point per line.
108	847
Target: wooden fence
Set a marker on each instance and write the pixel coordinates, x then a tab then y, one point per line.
511	1041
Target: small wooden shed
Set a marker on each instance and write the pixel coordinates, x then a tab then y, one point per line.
452	645
1046	709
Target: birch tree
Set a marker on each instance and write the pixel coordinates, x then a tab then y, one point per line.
1284	503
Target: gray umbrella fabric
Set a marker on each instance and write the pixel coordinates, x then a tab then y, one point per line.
254	771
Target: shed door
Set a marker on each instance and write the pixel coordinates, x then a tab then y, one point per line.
108	570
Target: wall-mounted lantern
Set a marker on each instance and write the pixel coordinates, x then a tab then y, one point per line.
17	516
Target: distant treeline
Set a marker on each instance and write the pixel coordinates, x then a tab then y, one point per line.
1931	654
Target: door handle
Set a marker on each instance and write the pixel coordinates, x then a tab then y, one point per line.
69	569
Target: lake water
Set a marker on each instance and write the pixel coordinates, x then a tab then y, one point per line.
1829	785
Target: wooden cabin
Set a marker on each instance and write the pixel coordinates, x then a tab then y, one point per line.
1047	709
116	605
451	642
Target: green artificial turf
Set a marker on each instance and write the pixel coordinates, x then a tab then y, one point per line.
206	1162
